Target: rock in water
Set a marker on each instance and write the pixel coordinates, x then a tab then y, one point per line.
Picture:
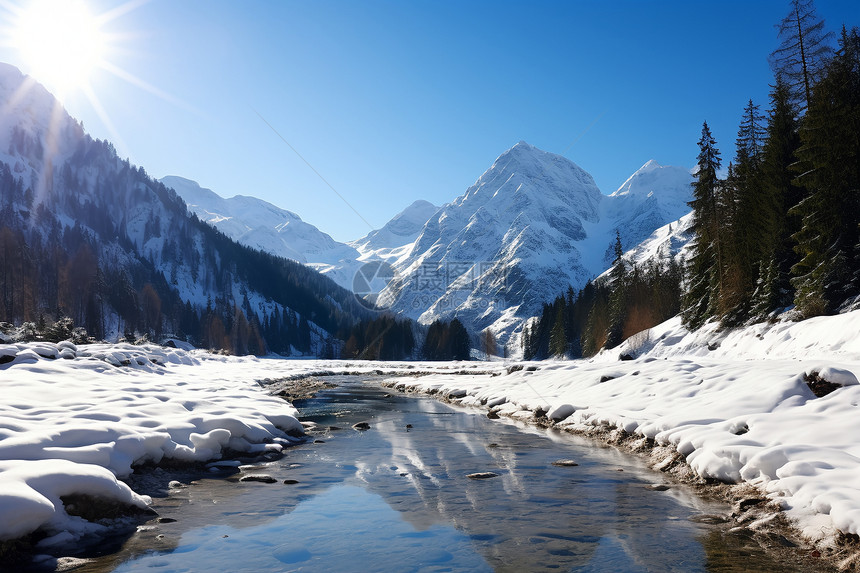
565	463
361	426
259	478
482	475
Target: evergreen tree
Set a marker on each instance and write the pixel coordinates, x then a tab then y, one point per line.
617	298
557	337
829	163
803	51
460	343
748	222
704	269
782	193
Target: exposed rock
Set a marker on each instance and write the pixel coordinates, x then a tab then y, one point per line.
361	426
492	415
657	487
565	463
819	386
709	518
482	475
259	478
291	481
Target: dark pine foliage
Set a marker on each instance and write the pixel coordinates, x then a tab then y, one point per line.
382	338
580	324
446	341
104	273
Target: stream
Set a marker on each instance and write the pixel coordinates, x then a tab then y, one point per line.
396	497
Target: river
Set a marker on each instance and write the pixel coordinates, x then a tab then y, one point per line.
397	497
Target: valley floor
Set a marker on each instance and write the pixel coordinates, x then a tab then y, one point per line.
731	407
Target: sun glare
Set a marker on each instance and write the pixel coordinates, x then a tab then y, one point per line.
61	41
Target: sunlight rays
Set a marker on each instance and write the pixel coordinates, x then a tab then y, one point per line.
66	47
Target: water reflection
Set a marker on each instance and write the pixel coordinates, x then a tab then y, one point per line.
396	498
345	528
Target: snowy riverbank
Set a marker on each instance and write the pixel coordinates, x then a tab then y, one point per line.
737	406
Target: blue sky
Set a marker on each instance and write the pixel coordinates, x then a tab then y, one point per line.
393	101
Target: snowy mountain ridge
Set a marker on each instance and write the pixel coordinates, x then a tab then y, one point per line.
260	225
126	257
530	226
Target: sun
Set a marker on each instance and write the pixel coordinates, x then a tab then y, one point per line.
61	41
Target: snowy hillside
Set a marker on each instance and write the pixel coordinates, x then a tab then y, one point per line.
400	231
261	225
532	224
124	255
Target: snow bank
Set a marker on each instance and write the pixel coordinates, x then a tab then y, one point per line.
735	404
74	419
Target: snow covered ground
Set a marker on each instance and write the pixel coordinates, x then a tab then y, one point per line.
736	405
72	420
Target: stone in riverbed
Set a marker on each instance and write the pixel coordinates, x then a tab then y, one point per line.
291	481
482	475
657	487
492	415
565	463
361	426
259	478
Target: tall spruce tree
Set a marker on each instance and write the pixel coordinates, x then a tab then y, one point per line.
617	296
803	50
749	220
781	191
703	268
557	338
830	171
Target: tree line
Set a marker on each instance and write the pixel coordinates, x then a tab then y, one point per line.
782	228
630	299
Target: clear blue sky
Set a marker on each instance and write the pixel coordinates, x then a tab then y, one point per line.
393	101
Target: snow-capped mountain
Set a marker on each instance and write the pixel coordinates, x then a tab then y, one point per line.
95	238
531	225
650	198
261	225
401	230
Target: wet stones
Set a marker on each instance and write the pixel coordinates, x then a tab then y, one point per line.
361	426
565	463
482	475
657	487
258	478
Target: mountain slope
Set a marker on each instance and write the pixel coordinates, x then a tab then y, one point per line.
401	230
86	234
531	225
260	225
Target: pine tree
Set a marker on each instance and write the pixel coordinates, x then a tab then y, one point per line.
829	163
703	271
557	337
803	51
618	296
748	221
780	190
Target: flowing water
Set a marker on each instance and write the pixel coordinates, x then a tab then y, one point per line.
396	497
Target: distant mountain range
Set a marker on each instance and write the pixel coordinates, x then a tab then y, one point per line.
531	225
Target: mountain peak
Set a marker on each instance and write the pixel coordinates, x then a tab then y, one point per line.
650	165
